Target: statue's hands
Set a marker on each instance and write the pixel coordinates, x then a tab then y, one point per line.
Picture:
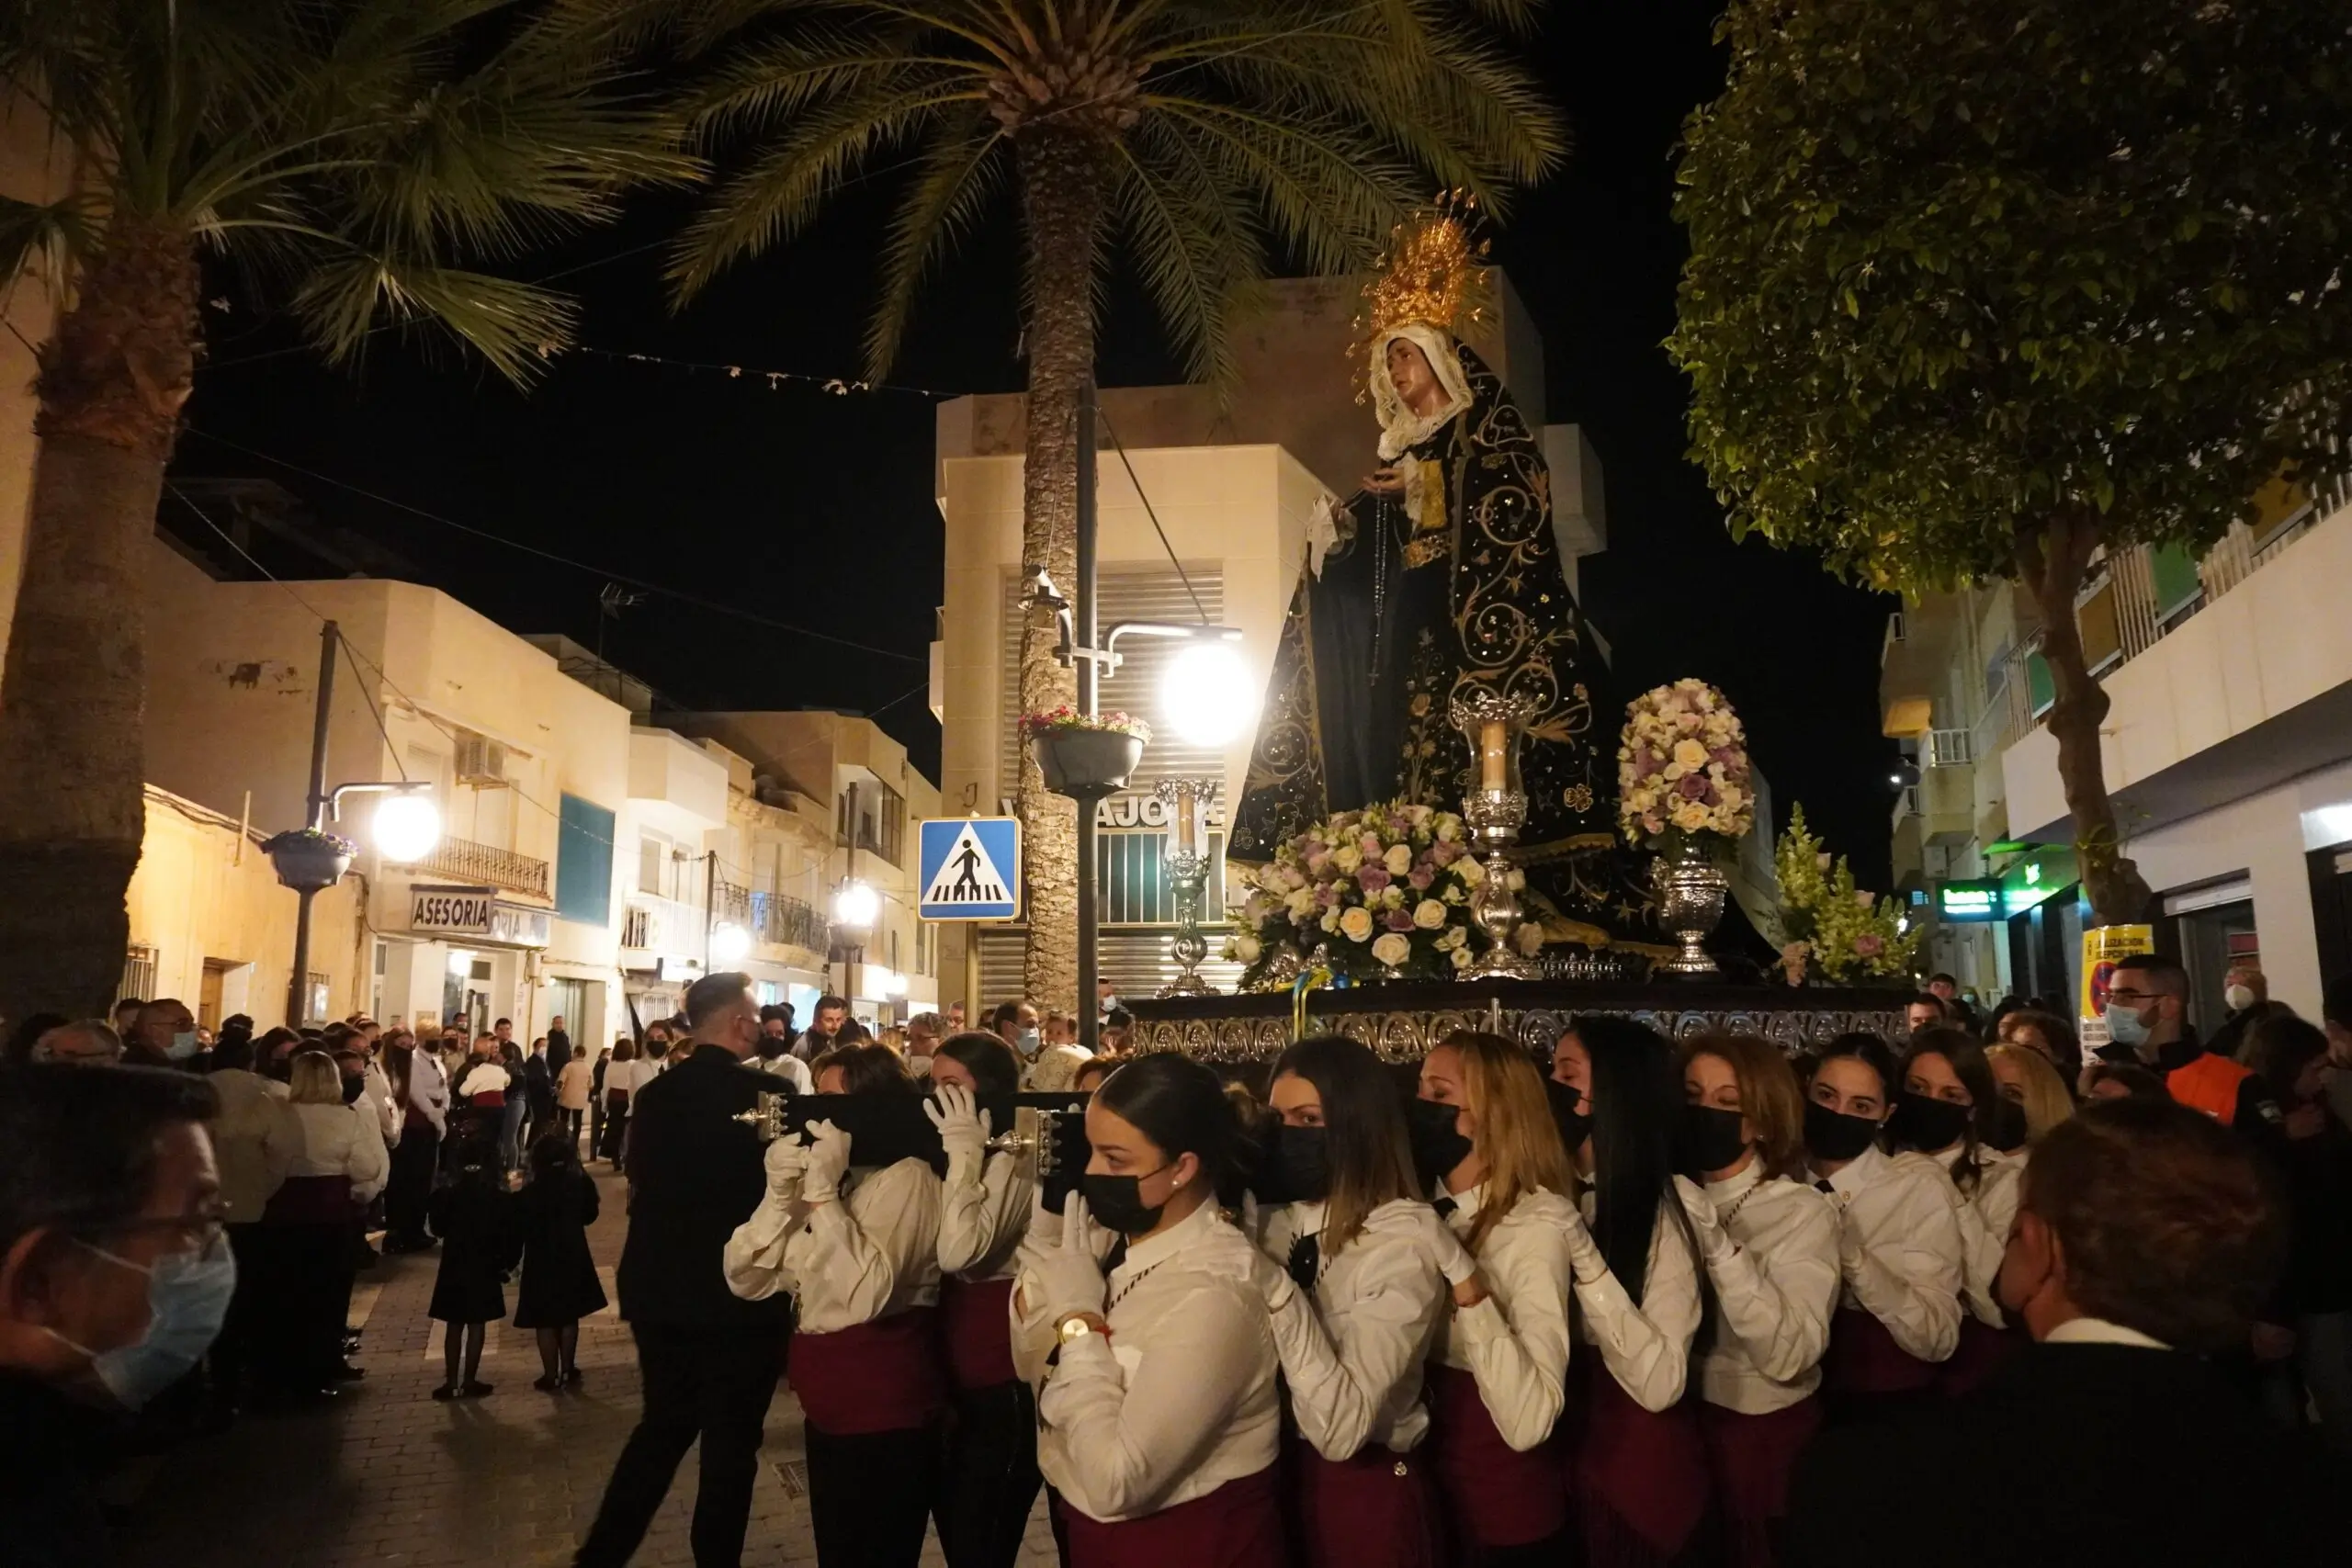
1385	481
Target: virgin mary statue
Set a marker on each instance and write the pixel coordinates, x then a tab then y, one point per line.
1441	575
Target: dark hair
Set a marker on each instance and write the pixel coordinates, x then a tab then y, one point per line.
1003	1013
714	994
1369	1148
553	1153
1099	1068
1927	999
771	1013
2138	1082
233	1049
1181	1106
994	1068
1636	1106
1951	980
1865	1048
1966	1055
2065	1046
23	1037
81	1143
2279	1046
1118	1018
2166	1224
866	1070
2335	1003
2165	973
830	1000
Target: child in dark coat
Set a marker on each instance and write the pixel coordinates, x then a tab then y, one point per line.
473	1215
559	1283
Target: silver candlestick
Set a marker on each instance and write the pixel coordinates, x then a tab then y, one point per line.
1494	810
1188	878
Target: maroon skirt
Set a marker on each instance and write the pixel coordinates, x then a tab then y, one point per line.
1239	1525
310	1200
977	1323
1637	1479
1376	1510
1752	1458
1495	1495
1864	1359
1980	1351
882	1376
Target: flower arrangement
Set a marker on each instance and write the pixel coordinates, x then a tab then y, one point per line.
315	839
1830	925
1383	892
1069	717
1682	773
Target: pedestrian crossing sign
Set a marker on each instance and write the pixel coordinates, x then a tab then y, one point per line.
971	868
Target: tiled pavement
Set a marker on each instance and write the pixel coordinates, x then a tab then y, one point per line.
387	1478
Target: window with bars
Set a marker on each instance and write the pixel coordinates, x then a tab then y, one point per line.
139	970
1131	871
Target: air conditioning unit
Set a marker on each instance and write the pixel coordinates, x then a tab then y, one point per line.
481	762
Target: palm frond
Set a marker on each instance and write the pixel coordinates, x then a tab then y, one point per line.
514	326
41	239
960	172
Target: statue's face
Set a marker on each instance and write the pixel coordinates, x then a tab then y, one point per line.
1409	373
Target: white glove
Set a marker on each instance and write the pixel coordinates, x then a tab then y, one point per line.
828	1162
1069	1278
1715	1241
1273	1282
786	1163
1407	1221
963	1129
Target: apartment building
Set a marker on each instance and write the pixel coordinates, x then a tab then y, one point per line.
2228	753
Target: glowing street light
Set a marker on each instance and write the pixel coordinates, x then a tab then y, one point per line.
856	907
407	827
730	945
1206	692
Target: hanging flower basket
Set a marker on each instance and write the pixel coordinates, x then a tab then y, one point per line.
1084	757
308	860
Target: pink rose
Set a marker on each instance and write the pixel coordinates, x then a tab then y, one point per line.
1327	895
1373	878
1400	920
1371	847
1442	853
1869	946
1422	877
1692	786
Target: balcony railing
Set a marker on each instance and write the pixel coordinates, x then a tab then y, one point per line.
792	921
654	924
462	860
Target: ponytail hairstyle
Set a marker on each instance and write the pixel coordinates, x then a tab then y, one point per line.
1975	1074
1517	1138
1371	1154
1637	1111
1181	1107
996	1071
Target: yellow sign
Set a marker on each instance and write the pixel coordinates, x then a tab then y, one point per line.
2103	948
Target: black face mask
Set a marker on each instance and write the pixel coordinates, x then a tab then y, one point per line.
1438	1146
353	1088
2005	1125
1710	1137
1567	1111
1300	1166
1832	1134
1116	1201
1929	1123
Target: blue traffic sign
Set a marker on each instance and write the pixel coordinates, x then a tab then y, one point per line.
971	868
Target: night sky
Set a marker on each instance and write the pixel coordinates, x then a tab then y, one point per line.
805	511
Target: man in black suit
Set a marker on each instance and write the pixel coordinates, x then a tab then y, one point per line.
709	1359
2144	1239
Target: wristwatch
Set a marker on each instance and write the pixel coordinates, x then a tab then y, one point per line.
1074	1327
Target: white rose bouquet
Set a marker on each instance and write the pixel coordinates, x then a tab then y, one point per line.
1682	770
1385	891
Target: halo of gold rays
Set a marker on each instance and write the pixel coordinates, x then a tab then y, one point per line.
1434	273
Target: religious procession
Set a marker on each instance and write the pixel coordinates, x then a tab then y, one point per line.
1555	792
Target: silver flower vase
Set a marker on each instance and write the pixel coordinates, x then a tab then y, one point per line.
1691	889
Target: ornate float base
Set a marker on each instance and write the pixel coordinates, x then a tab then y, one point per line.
1402	1020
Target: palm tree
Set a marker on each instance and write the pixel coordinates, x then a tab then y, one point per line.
356	153
1210	135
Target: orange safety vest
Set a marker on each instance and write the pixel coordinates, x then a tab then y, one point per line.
2209	1084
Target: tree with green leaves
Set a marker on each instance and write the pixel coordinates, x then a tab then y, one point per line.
361	158
1209	138
1982	287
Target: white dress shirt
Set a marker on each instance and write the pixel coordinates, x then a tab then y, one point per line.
871	1255
1646	1345
377	1092
1181	1399
428	1090
1379	1301
983	1213
1899	1249
788	1067
340	1140
485	1076
2100	1331
1516	1341
1776	1285
1056	1068
254	1140
1981	1246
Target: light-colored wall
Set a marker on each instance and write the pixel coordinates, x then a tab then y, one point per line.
196	897
2276	640
33	168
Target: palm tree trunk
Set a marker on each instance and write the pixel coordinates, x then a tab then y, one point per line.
2053	562
1064	190
73	807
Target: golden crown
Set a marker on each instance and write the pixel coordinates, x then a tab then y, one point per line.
1434	273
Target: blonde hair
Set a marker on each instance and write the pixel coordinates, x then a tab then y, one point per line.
1770	1095
1516	1138
314	1079
2046	1102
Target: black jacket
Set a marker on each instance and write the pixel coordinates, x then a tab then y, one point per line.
695	1174
2071	1456
52	1452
